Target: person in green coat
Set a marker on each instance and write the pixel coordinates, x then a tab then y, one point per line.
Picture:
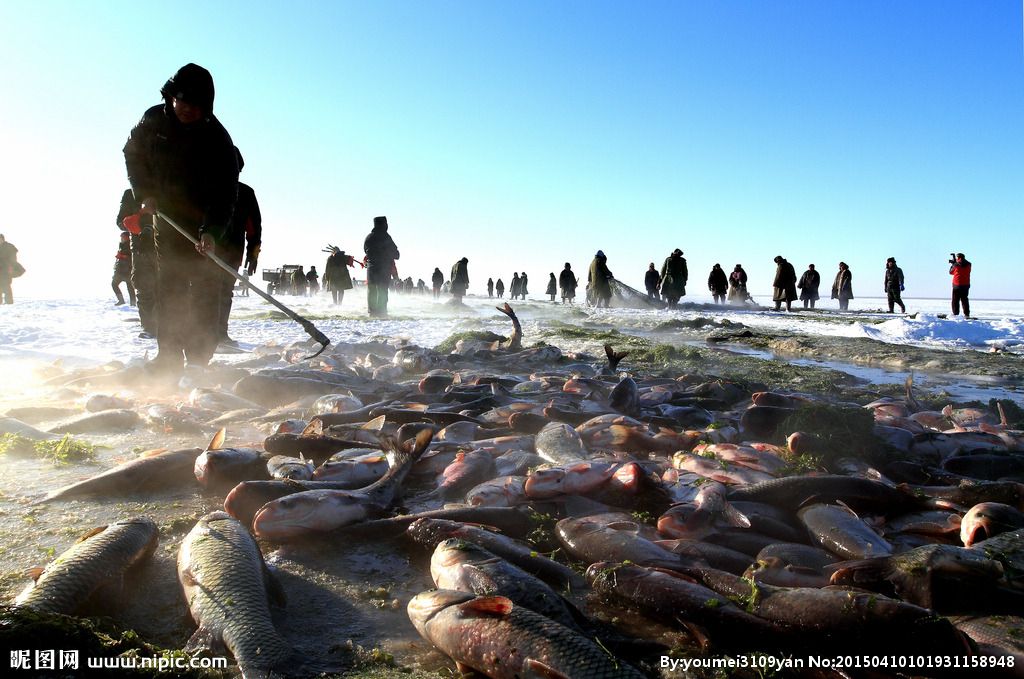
599	280
673	278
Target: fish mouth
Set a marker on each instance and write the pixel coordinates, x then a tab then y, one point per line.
424	606
975	533
273	524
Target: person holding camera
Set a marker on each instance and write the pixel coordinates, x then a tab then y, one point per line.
893	285
960	269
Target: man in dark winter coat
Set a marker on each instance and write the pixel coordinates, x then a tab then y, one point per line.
123	270
243	237
8	263
499	288
437	280
599	280
842	286
893	285
181	161
381	253
143	260
718	284
490	287
674	275
784	285
652	279
515	287
460	279
336	276
313	281
567	281
808	285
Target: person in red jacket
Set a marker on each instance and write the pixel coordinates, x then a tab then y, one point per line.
960	269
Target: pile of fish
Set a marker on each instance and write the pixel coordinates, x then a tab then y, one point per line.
678	498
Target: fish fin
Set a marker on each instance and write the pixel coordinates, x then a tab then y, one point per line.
421	442
95	531
847	508
204	638
735	517
35	572
492	605
153	453
218	439
188	578
698	633
478	578
613	356
376	424
314	428
466	670
1002	414
536	669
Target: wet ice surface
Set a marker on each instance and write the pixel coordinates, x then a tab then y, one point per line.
337	591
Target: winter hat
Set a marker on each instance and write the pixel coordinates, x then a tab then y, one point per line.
677	251
600	253
778	258
380	223
192	84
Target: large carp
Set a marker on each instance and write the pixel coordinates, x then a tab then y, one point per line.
228	588
98	560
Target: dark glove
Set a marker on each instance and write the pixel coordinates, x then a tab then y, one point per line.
901	287
250	260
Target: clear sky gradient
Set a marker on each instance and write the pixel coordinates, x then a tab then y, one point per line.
524	135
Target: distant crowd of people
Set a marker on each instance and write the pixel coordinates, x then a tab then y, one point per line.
186	202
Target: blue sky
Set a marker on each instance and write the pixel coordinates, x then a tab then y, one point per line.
524	135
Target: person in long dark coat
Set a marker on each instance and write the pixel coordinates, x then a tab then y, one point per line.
181	162
515	287
552	288
299	282
336	276
673	278
313	281
567	281
499	288
490	287
738	286
784	285
809	283
243	238
381	253
437	280
842	286
893	285
599	280
652	279
523	280
718	284
8	266
460	279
